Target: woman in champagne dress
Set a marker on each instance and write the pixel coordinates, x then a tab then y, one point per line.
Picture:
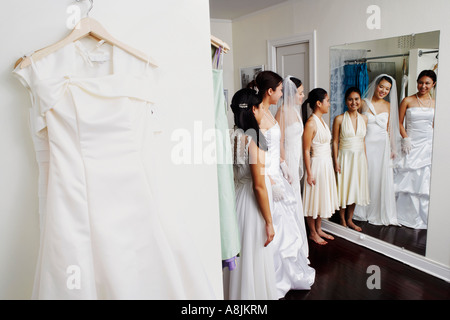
349	155
382	147
254	275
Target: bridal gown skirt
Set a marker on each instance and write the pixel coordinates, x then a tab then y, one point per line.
291	262
290	244
254	275
412	175
102	234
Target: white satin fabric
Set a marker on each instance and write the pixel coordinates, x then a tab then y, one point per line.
412	175
102	235
382	207
290	244
254	275
321	199
294	159
353	180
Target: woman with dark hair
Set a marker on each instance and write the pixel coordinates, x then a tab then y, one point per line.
349	155
320	198
382	147
291	263
413	172
254	275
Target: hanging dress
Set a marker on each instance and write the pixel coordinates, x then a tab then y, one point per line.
412	176
102	235
254	275
382	208
229	231
292	268
353	181
321	200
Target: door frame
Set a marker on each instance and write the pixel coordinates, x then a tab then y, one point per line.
307	37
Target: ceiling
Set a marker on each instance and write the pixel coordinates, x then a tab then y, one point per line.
232	9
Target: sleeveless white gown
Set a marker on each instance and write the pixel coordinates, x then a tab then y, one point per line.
254	275
412	175
292	268
382	208
102	236
321	200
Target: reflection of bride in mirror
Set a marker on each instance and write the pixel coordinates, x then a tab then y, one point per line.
382	145
413	171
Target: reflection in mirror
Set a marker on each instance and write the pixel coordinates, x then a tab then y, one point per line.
396	80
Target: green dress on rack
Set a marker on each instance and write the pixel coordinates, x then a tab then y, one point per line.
228	221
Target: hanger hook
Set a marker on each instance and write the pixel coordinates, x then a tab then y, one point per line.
90	7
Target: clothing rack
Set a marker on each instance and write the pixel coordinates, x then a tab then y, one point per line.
216	42
362	60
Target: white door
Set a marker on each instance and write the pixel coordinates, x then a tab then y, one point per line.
293	60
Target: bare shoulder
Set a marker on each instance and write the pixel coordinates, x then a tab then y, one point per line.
310	123
409	100
338	119
366	119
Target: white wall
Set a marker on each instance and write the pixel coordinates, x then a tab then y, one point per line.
344	21
223	29
176	33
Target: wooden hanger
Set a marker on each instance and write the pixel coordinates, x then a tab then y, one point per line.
216	42
86	27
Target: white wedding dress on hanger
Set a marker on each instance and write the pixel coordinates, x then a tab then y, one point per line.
102	235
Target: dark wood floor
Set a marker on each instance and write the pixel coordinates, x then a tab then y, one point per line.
341	274
414	240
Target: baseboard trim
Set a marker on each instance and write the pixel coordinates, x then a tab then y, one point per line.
410	258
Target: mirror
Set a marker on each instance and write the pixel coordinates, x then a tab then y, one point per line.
403	58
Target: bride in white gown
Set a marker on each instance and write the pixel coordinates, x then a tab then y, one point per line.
382	146
412	174
289	118
292	268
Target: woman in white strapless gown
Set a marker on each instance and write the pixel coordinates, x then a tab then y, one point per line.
381	147
292	268
254	275
412	175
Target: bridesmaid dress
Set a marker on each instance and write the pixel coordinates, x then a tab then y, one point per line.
352	182
321	200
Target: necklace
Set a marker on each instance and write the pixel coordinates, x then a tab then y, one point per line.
422	105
